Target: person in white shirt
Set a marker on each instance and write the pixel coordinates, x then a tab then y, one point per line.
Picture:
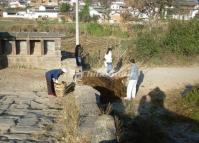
133	78
108	60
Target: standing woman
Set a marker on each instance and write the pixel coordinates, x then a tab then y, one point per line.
108	60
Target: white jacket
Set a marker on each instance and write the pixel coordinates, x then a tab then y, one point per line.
108	57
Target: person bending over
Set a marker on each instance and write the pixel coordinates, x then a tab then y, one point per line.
51	77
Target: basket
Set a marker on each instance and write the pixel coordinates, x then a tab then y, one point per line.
60	89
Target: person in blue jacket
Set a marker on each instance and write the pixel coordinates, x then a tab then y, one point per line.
51	77
133	78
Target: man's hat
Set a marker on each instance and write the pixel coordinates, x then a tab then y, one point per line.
64	70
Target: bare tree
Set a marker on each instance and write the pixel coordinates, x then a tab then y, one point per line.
152	8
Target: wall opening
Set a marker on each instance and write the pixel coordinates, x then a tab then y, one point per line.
35	47
21	47
49	47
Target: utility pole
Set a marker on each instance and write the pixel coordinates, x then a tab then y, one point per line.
78	46
77	22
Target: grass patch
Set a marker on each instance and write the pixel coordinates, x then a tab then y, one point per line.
95	29
70	119
195	116
192	97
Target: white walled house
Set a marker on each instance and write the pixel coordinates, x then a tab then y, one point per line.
48	8
191	12
31	14
93	12
115	7
72	2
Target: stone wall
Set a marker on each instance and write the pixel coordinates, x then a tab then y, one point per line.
43	53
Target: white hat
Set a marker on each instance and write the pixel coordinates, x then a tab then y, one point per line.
64	70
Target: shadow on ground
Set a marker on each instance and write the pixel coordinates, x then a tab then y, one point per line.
151	121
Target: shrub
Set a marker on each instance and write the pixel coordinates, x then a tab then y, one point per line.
64	7
192	97
183	37
95	29
147	45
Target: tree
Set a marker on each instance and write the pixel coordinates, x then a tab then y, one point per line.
84	14
64	7
151	7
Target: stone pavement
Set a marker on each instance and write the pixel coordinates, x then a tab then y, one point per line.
28	117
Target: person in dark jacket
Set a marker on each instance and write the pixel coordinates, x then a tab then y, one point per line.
78	57
51	77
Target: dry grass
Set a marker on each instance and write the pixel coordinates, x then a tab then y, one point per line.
69	118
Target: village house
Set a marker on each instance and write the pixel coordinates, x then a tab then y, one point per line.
187	10
17	4
36	3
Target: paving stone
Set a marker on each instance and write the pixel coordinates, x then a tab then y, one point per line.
37	106
28	121
44	121
16	112
26	130
22	101
27	114
18	136
4	107
20	106
5	124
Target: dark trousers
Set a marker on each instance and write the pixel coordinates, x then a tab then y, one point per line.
50	85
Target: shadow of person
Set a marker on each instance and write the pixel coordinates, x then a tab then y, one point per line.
140	80
66	55
157	97
153	120
187	89
85	62
3	61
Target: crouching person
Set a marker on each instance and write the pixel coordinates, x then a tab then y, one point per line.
51	77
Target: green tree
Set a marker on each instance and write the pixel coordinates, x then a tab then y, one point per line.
64	7
84	14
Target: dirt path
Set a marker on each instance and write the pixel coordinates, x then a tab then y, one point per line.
167	78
